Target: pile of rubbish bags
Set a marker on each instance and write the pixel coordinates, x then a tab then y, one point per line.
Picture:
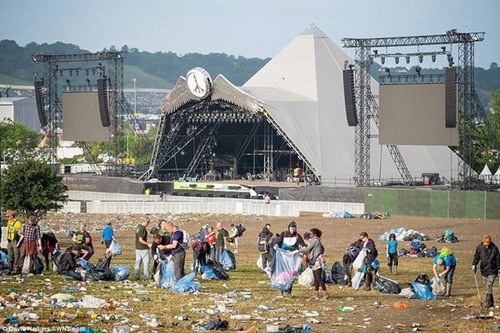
341	214
404	235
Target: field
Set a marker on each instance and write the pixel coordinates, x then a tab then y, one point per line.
372	311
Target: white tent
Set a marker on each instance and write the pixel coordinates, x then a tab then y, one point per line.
302	88
496	176
486	174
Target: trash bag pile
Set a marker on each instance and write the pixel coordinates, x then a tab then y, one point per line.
341	214
228	260
186	284
213	271
375	215
386	285
447	236
404	235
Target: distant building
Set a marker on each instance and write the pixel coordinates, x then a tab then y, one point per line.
20	110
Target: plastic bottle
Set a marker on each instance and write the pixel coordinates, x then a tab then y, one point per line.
306	328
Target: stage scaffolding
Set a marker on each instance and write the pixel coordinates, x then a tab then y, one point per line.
470	107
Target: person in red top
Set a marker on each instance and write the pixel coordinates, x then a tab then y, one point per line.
210	238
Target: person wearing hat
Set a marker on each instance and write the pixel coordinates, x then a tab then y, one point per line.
487	253
67	263
445	259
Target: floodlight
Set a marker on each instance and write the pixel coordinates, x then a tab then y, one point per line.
418	69
407	59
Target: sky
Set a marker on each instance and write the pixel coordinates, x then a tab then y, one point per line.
256	28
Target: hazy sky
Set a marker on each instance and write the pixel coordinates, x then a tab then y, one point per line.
254	28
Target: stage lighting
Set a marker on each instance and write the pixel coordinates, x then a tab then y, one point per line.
77	72
70	73
418	69
443	48
420	58
433	57
407	59
375	52
382	59
388	71
396	60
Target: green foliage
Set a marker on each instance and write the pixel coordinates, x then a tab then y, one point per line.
32	188
17	142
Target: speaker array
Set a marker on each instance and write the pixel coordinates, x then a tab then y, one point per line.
40	104
450	103
102	93
350	97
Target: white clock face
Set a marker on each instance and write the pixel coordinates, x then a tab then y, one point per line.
198	82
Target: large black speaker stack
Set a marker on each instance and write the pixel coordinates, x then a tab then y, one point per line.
102	93
40	104
450	99
350	97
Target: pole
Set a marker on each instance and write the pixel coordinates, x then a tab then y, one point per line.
135	97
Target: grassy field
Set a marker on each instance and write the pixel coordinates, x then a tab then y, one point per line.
372	311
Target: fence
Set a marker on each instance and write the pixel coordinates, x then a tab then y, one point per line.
432	203
99	202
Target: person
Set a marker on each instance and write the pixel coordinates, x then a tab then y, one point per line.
175	246
263	245
107	235
160	195
83	238
210	238
233	237
445	259
392	253
142	249
315	255
290	240
13	226
487	254
30	243
348	258
160	237
49	245
371	255
221	240
68	263
201	253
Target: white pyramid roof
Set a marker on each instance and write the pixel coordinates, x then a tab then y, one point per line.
302	89
486	171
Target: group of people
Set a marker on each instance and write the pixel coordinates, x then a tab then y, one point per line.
444	263
26	241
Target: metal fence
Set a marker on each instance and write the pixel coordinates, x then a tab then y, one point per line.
99	202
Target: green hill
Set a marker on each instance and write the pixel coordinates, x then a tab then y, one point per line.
143	79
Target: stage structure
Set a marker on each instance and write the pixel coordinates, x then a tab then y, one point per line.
82	95
213	130
470	108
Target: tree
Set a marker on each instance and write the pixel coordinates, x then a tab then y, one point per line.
31	187
17	142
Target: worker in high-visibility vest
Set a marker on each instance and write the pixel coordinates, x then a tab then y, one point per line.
13	226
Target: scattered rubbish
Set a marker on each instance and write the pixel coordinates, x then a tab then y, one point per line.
401	305
345	309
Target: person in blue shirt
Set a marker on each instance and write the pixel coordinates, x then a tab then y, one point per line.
447	260
392	253
176	250
107	235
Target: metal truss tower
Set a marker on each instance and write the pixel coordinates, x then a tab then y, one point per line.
470	107
107	65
